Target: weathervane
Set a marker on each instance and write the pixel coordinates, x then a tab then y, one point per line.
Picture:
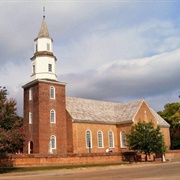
44	12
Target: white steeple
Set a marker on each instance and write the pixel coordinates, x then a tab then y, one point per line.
43	61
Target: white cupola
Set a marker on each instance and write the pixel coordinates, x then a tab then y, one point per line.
43	62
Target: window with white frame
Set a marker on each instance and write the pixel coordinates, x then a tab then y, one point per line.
111	139
123	139
100	139
30	117
52	92
53	142
30	94
88	139
52	116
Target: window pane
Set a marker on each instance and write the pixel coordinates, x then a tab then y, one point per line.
123	139
52	116
88	139
53	142
111	139
100	139
50	67
52	93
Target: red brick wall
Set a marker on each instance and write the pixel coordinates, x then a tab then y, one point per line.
69	133
79	130
126	128
72	159
41	130
46	129
144	114
79	135
31	130
166	133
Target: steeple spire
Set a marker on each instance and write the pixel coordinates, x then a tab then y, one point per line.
43	30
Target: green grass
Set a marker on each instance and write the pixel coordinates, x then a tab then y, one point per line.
43	168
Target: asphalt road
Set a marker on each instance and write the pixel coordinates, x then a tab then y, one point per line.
144	171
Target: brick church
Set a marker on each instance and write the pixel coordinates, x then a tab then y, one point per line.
56	124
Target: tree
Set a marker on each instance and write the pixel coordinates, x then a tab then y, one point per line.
146	139
171	114
11	125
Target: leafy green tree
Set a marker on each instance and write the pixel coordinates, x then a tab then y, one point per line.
11	125
171	114
146	139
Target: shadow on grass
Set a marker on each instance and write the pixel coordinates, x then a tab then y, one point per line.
28	169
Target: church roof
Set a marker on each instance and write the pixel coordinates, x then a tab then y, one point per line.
94	111
87	110
160	121
43	30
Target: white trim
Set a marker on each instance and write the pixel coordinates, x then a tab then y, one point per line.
53	136
54	112
112	139
52	92
122	141
30	94
30	117
90	139
102	139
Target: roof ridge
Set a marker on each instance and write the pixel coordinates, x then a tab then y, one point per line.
95	100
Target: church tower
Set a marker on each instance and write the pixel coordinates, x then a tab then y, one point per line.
43	61
44	101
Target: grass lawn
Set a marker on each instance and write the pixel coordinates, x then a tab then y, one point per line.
27	169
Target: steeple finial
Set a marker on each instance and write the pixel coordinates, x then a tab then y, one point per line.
44	12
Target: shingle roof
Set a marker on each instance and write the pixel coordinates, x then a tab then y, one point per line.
87	110
160	121
43	30
101	112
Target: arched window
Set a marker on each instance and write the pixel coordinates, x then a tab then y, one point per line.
30	117
30	94
111	139
53	142
52	116
123	139
100	139
52	92
88	139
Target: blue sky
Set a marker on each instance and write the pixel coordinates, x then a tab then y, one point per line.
107	50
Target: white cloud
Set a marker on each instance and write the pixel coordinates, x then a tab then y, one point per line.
106	50
122	80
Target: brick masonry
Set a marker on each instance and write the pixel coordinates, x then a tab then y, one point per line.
40	131
79	132
24	160
70	135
